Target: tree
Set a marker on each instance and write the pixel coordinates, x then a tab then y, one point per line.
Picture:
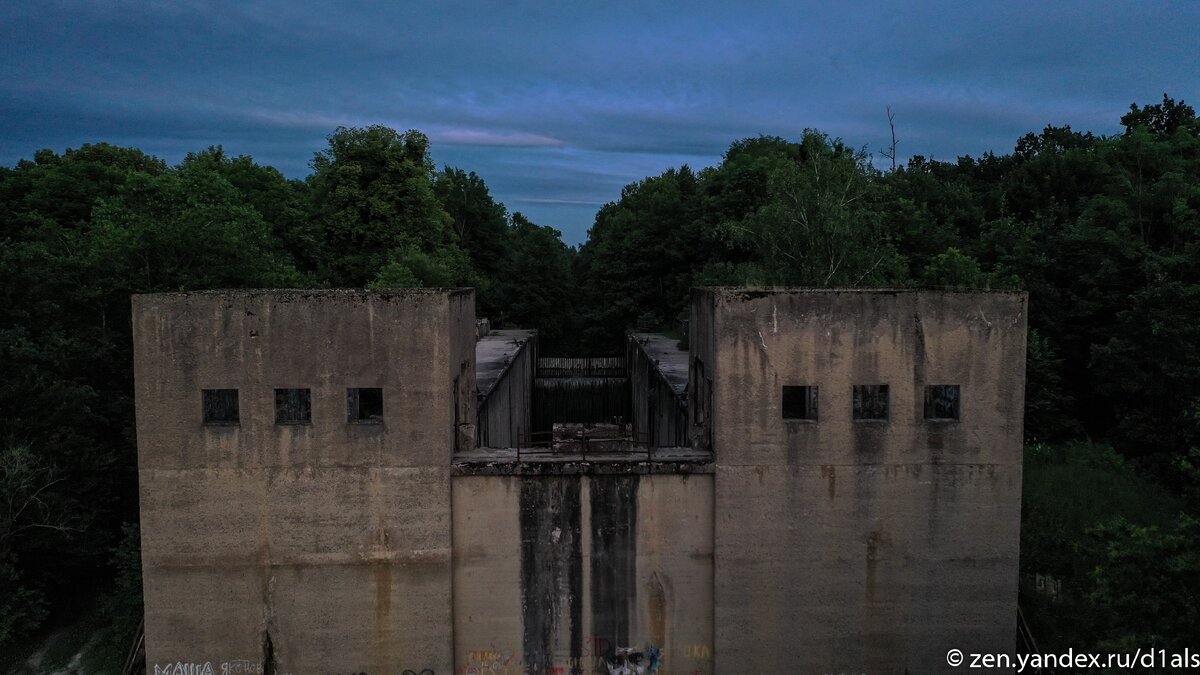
126	223
64	368
1161	119
477	219
536	287
188	229
638	262
821	225
33	500
372	192
1146	584
954	268
410	267
281	203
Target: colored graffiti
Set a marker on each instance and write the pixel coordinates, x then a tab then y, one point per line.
632	661
492	661
599	657
697	651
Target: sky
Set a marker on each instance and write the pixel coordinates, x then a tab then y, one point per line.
558	105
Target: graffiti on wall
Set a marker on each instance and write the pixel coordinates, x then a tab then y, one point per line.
634	661
406	671
234	667
697	651
491	661
246	667
598	657
183	668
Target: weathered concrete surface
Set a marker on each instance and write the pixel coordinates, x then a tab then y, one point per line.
330	539
495	354
669	360
555	573
863	546
768	546
658	378
506	363
701	347
548	461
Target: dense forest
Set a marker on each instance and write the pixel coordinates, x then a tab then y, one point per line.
1103	231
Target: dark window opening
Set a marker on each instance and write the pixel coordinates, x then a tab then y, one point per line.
800	403
220	406
941	402
364	405
293	406
870	401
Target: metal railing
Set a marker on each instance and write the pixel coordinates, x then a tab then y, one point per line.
1025	642
586	444
590	366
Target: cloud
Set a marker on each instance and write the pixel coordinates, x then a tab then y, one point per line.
508	139
559	105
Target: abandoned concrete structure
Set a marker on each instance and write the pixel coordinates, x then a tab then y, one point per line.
351	482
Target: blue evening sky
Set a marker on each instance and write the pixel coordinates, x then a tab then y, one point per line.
557	105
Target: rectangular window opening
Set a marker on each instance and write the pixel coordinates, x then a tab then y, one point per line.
941	402
800	402
870	401
364	405
220	406
293	406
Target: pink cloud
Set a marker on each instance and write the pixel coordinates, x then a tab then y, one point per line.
514	139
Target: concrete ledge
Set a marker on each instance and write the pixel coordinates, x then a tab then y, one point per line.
505	462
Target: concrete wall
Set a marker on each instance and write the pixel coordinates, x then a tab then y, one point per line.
552	573
322	547
701	367
505	410
831	545
460	336
587	390
659	413
863	546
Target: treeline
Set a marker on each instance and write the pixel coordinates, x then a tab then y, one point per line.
1104	232
82	231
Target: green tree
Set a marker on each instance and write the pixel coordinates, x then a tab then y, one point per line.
125	223
1145	587
954	268
821	225
64	368
536	285
477	219
636	267
928	207
282	204
34	502
1161	119
188	229
372	192
410	267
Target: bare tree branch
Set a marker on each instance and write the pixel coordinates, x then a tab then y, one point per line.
891	153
